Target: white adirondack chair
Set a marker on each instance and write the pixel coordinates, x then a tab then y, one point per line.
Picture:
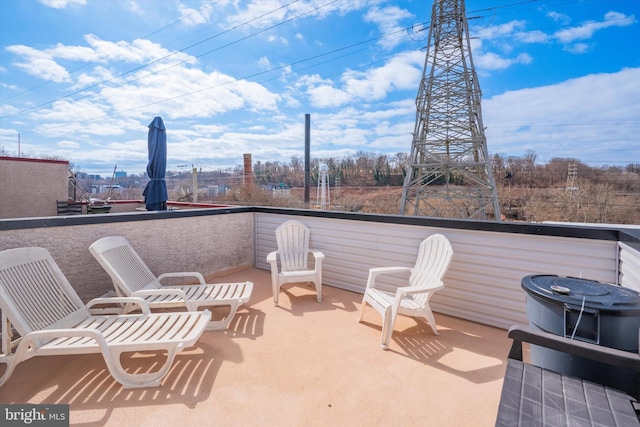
132	277
434	258
292	238
37	299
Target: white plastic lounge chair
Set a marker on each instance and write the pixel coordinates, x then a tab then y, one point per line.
434	258
37	299
132	277
292	238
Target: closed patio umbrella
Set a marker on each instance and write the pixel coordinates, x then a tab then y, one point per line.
155	193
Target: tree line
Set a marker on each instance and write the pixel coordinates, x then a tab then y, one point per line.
371	169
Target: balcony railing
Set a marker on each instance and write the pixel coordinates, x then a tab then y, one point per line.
482	285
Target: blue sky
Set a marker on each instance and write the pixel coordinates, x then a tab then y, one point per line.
82	79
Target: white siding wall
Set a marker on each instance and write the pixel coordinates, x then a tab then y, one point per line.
483	283
629	267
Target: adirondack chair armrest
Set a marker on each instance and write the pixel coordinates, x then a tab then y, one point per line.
195	274
114	304
435	285
378	271
612	356
318	257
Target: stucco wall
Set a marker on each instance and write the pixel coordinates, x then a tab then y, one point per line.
30	187
207	244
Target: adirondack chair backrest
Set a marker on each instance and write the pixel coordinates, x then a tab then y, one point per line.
434	258
292	238
127	270
34	294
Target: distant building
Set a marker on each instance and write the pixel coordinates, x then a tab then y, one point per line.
121	174
281	191
106	188
212	190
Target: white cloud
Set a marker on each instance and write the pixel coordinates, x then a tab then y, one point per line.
535	36
68	144
563	120
138	51
559	17
192	17
183	92
325	96
577	48
388	19
39	64
43	64
263	13
61	4
97	75
492	61
586	30
264	63
507	29
282	40
399	73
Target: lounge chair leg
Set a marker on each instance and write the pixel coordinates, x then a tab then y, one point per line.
221	325
154	379
11	362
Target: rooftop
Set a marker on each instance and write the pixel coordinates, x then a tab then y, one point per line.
299	363
310	363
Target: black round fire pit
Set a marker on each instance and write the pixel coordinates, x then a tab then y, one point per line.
584	310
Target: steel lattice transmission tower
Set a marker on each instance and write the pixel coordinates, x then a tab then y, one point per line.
449	173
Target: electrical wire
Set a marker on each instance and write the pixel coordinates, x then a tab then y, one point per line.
146	65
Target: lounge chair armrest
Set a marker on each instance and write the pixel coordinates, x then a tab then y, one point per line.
50	334
272	257
144	307
195	274
599	353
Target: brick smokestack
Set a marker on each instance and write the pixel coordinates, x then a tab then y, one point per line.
247	178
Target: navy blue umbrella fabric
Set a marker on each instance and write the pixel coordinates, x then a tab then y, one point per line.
155	193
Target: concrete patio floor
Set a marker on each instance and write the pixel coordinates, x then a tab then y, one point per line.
301	363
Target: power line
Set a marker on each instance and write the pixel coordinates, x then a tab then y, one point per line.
247	77
258	73
37	107
89	63
83	89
